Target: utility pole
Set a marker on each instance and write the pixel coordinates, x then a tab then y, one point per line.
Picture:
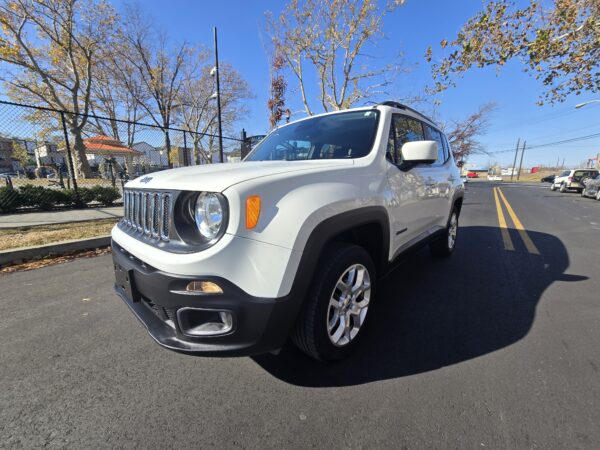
218	99
563	164
512	169
521	163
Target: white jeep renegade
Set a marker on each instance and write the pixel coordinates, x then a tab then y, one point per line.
233	259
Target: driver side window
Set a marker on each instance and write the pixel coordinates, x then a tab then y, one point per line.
403	129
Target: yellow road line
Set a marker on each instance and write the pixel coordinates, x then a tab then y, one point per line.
531	248
508	245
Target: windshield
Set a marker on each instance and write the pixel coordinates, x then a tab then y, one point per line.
336	136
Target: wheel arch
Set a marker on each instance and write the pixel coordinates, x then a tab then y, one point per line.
368	226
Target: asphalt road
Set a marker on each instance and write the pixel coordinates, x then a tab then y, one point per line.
491	348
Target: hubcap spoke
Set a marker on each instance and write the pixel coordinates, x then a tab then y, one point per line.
348	305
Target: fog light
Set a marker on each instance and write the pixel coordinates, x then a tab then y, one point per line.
203	287
201	322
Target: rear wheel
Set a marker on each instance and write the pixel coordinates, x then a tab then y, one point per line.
583	193
334	314
598	194
563	188
444	245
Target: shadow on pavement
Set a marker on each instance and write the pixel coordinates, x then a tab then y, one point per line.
438	312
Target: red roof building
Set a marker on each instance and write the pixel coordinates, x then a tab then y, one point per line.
107	146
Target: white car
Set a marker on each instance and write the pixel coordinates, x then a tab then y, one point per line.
572	179
233	259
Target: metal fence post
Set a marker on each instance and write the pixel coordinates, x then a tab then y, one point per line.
186	160
69	155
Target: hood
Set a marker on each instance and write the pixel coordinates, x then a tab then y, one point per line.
218	177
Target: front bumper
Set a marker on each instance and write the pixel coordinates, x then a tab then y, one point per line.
260	325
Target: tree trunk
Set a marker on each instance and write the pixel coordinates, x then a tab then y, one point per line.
168	148
82	166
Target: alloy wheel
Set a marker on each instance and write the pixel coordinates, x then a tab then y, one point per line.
348	305
452	231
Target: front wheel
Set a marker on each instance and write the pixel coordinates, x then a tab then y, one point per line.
334	314
552	187
563	188
444	245
598	194
583	193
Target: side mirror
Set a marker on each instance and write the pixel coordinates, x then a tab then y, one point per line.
424	152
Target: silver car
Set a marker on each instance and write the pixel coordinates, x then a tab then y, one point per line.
592	187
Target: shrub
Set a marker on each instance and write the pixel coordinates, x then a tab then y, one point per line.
105	195
38	196
86	195
66	197
10	199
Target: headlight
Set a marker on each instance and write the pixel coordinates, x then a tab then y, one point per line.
209	215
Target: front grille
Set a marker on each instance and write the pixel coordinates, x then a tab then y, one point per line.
148	212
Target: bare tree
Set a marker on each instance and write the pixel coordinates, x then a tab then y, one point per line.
198	111
331	36
159	69
117	93
51	48
463	134
276	102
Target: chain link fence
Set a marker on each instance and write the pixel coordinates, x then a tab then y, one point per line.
51	159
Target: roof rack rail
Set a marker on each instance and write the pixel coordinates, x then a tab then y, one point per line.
399	105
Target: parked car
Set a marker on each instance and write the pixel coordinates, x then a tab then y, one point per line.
232	259
548	179
592	188
472	175
572	179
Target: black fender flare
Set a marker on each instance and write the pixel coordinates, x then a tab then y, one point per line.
322	234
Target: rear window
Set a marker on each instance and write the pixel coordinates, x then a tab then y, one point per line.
585	173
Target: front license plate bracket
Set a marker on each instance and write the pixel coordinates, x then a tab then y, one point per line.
124	280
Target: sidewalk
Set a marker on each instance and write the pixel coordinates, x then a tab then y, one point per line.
49	217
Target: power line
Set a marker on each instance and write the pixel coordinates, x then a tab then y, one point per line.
548	144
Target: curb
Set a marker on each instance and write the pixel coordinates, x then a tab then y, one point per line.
58	248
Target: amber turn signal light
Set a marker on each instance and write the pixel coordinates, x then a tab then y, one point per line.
203	287
252	211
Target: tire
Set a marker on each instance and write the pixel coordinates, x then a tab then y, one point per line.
317	331
552	187
563	188
444	246
583	193
598	194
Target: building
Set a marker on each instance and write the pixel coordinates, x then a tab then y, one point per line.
98	148
155	158
6	153
48	154
181	156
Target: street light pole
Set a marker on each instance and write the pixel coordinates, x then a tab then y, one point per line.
218	99
581	105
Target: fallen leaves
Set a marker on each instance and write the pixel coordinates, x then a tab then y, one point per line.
53	260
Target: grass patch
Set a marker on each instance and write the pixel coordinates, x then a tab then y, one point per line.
13	238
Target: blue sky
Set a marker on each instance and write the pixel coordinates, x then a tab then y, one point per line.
409	30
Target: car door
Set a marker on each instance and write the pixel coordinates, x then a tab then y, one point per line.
442	175
412	205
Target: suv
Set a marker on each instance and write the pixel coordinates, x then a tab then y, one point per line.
572	179
232	259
